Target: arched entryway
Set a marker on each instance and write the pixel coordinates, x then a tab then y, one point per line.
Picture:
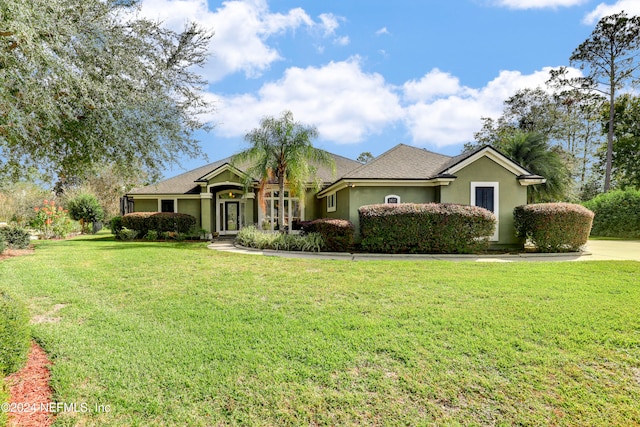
230	211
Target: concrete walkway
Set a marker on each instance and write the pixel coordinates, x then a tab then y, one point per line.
596	250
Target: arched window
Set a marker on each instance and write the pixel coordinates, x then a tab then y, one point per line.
392	199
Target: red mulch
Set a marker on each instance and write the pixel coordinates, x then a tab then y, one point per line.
29	387
8	253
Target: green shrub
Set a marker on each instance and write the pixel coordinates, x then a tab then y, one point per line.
3	246
15	237
142	222
151	235
554	227
86	209
337	234
251	237
617	214
115	224
15	336
425	228
127	234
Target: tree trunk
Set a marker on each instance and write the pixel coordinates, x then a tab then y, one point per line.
609	158
281	203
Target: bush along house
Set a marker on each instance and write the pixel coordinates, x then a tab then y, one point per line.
215	193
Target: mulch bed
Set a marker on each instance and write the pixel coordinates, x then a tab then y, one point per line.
8	253
29	389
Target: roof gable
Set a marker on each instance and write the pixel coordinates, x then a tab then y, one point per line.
465	159
402	162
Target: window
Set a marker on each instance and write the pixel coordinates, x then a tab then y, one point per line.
484	198
392	199
292	211
486	195
167	205
331	202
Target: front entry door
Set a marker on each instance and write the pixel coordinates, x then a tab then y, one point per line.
231	223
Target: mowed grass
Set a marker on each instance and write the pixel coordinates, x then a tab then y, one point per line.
172	334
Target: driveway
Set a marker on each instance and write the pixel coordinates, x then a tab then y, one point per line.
618	250
596	250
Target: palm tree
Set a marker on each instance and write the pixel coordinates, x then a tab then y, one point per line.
532	151
281	150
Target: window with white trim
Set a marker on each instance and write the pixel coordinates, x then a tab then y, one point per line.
392	199
292	211
487	195
331	202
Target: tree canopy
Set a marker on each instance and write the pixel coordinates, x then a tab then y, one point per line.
84	84
610	58
625	169
281	151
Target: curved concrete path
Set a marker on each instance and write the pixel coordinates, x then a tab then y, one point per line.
596	250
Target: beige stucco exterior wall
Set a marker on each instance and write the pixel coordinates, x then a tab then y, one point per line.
511	193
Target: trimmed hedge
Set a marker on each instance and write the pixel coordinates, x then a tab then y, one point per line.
337	234
15	337
554	227
425	228
617	214
15	237
143	222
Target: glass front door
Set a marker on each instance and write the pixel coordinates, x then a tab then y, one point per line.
231	216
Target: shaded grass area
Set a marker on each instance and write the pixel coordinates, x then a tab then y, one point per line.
176	334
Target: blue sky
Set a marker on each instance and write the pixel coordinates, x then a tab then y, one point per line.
371	74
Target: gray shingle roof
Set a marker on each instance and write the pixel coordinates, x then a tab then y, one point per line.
402	162
186	183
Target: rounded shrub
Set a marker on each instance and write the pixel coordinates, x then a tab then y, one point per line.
337	234
425	228
86	209
15	237
617	214
15	336
115	224
554	227
3	244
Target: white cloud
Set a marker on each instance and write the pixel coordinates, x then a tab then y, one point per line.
631	7
383	31
433	85
330	23
342	41
539	4
344	102
446	113
242	29
348	105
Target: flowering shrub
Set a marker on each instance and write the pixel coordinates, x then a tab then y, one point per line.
52	221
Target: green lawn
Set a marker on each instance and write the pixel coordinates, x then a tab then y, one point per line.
176	334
